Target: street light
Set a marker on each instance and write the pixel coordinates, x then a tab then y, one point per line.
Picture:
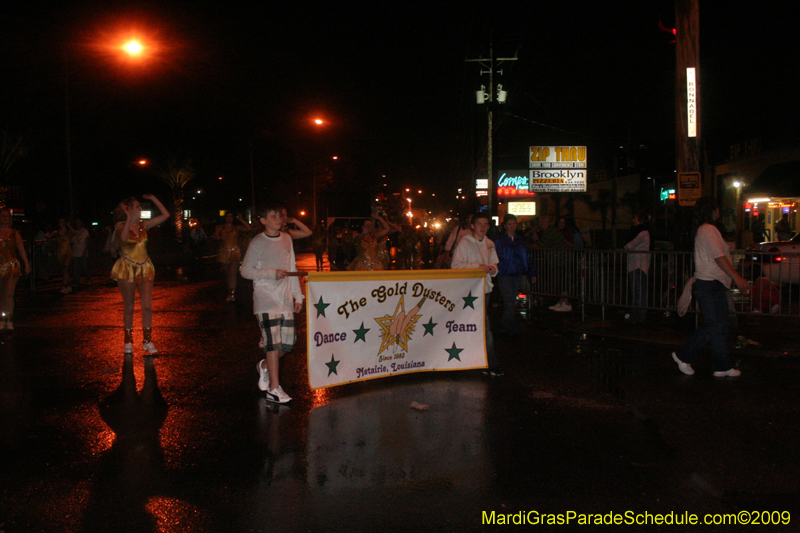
133	47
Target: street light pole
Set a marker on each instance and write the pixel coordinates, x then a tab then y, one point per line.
67	139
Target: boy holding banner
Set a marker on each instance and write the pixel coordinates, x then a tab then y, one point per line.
277	296
476	250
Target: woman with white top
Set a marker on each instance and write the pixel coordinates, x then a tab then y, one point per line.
713	272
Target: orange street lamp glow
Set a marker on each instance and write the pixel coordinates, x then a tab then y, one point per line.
133	48
142	162
318	121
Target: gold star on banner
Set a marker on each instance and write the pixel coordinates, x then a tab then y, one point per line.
397	329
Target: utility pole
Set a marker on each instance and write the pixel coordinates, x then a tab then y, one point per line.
493	95
690	184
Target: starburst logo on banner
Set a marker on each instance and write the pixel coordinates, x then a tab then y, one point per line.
396	329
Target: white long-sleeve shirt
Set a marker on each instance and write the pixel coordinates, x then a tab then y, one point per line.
639	243
472	253
265	256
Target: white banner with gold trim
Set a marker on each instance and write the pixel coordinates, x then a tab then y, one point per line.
367	325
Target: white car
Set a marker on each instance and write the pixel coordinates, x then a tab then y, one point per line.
779	261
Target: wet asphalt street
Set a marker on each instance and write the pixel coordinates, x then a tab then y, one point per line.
185	442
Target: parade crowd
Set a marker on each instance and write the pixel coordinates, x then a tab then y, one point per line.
264	251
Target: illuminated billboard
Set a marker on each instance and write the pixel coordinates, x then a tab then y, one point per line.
513	184
557	169
691	102
522	209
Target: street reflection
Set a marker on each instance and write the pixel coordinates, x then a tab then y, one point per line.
377	440
131	472
374	443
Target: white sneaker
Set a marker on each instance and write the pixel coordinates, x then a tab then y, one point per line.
556	307
686	368
263	376
150	348
277	395
128	348
566	308
732	373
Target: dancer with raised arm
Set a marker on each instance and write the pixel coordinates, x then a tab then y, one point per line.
134	269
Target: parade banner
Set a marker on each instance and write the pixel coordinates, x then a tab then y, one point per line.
367	325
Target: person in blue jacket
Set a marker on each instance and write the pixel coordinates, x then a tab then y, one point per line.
515	265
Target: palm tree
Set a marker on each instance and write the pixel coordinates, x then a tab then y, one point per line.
179	172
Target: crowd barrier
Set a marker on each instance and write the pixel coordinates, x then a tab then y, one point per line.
601	278
43	261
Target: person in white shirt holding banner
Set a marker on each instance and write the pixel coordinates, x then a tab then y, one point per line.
476	250
277	296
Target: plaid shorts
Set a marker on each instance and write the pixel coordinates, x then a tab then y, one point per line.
277	332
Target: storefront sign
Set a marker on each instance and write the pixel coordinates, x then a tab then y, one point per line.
522	209
689	190
557	157
513	183
557	169
691	102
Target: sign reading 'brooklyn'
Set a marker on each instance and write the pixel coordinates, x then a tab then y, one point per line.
557	168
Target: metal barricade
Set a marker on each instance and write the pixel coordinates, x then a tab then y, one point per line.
43	260
601	278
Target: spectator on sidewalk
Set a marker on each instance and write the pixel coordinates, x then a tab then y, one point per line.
514	266
63	251
638	266
551	238
79	241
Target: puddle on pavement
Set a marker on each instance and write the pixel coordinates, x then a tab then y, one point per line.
609	365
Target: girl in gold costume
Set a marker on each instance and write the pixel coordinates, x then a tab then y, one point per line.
371	252
11	248
230	254
63	251
134	269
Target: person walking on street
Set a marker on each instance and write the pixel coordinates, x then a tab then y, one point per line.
134	269
12	250
476	250
277	297
514	266
712	280
229	254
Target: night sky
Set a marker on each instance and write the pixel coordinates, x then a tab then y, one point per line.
391	80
